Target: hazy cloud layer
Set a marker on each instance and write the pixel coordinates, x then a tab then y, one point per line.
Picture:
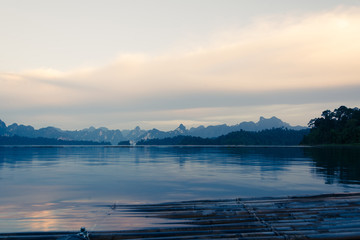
288	61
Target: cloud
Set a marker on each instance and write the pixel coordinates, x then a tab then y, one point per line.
274	60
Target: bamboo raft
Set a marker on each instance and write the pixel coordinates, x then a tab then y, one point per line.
330	216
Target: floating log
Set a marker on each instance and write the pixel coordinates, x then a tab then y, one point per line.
329	216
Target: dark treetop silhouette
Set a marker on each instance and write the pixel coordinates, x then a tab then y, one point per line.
342	126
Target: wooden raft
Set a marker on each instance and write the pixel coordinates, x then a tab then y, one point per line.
330	216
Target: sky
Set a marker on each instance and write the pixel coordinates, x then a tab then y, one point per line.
155	64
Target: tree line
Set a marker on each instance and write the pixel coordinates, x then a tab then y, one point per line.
17	140
275	136
341	126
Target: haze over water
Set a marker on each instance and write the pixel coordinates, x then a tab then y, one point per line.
61	188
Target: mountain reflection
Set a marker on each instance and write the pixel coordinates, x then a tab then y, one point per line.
334	164
227	155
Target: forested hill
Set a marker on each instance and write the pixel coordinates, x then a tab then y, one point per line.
17	140
275	136
341	126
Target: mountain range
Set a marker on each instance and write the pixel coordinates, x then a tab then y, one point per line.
103	134
273	136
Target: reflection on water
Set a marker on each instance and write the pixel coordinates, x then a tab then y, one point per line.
60	188
336	164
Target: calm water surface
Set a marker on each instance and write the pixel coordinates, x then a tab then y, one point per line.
63	188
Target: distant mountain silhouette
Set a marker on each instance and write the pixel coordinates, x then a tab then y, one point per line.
154	133
88	134
133	135
274	136
218	130
115	136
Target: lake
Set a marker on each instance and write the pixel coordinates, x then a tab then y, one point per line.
63	188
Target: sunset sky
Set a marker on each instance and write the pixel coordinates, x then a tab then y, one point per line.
156	64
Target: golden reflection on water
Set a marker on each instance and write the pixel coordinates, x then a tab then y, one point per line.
38	217
70	216
44	220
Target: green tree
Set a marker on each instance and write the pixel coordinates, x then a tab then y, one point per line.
342	126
